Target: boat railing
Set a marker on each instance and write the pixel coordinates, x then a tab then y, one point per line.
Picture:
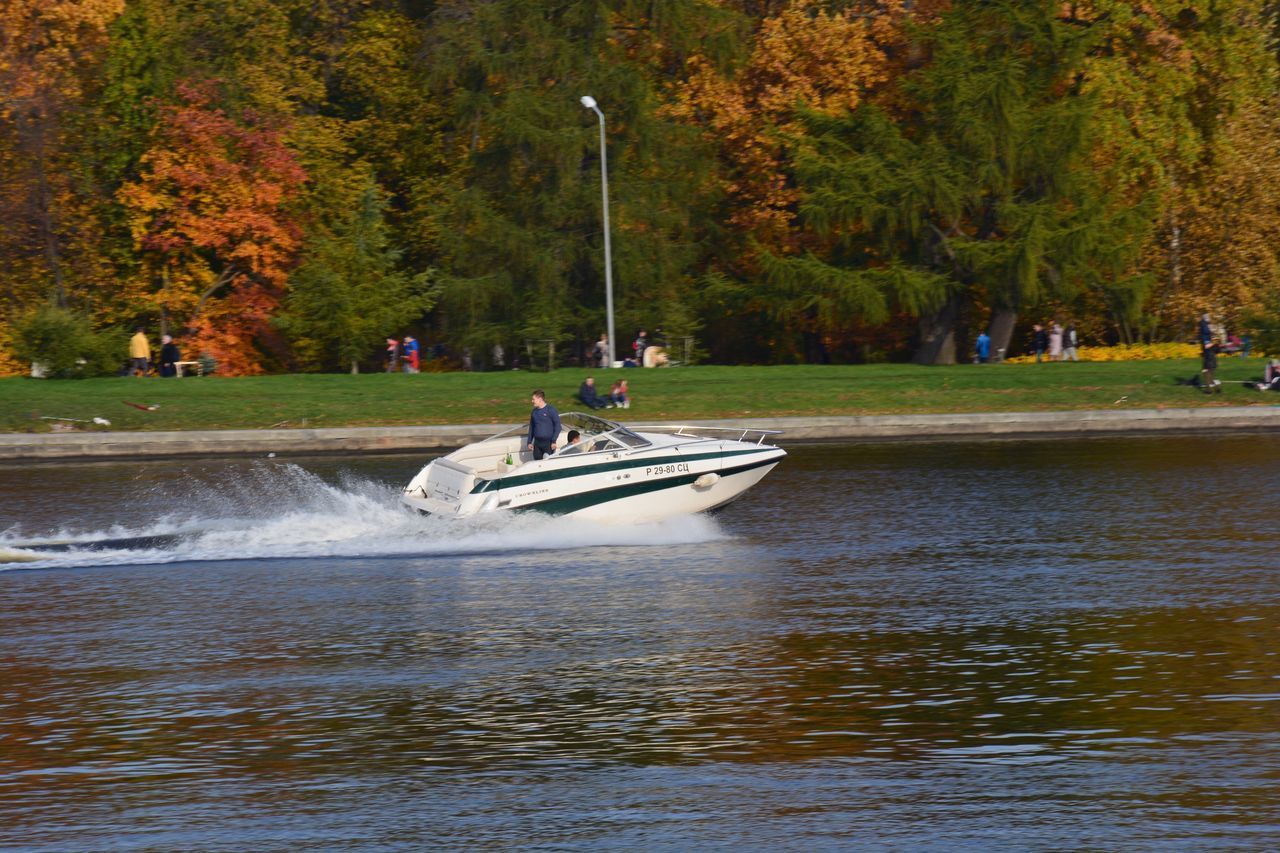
753	435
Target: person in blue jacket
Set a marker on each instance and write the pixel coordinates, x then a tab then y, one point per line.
544	426
983	348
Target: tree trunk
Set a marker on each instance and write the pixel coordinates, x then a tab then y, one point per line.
223	278
164	300
1002	322
938	334
1175	262
355	367
49	228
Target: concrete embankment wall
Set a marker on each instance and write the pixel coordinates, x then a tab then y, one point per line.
966	427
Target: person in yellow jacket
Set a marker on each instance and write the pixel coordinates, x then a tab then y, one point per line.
139	353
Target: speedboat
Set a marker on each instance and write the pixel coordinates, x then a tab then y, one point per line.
613	473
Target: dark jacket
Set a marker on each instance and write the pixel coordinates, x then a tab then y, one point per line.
169	354
544	424
587	394
1040	340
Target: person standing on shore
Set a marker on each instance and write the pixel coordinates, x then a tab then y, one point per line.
1209	364
412	355
169	356
1070	340
1039	341
1205	333
1055	342
982	350
544	426
139	352
393	355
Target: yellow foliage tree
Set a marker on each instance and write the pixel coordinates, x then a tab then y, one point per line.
48	51
804	57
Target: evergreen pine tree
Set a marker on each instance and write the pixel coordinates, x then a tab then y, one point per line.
520	233
978	191
349	293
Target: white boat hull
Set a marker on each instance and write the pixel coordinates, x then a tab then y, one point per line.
668	475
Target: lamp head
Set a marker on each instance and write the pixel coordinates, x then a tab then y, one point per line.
589	102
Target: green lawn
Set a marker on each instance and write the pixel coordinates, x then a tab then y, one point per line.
662	394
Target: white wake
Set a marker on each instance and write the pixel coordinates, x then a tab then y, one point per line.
284	511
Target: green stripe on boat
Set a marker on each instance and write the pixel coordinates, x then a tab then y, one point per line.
572	503
518	480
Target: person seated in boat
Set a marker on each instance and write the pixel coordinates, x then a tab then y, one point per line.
572	442
587	394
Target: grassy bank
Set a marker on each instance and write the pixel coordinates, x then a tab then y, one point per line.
665	394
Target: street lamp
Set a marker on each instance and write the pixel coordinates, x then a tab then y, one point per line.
590	103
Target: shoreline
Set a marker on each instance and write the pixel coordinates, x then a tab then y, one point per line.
60	447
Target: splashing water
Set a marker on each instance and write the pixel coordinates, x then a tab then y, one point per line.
283	511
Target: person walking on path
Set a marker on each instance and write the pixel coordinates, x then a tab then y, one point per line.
1055	342
544	426
1205	333
982	350
169	356
139	352
1070	340
393	355
412	355
1208	364
1039	341
601	351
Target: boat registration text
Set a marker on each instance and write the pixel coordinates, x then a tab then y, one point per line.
674	468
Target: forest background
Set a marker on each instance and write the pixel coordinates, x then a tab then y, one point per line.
284	183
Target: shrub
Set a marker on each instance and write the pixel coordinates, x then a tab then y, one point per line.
66	345
1263	325
1127	352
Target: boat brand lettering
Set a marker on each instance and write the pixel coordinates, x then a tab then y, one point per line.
667	469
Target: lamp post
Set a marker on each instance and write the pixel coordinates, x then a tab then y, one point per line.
590	103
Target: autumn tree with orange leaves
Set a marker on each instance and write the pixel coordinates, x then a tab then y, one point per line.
50	51
212	213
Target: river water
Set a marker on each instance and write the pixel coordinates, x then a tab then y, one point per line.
1032	645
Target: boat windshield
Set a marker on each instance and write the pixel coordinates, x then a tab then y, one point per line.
629	438
596	430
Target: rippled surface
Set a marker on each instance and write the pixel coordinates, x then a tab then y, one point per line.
994	646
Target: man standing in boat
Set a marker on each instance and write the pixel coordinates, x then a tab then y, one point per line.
544	426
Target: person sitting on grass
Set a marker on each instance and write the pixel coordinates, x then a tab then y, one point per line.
1270	376
587	394
619	396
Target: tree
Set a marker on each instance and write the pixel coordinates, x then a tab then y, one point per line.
978	191
212	211
349	292
802	59
65	345
519	231
49	55
1176	83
